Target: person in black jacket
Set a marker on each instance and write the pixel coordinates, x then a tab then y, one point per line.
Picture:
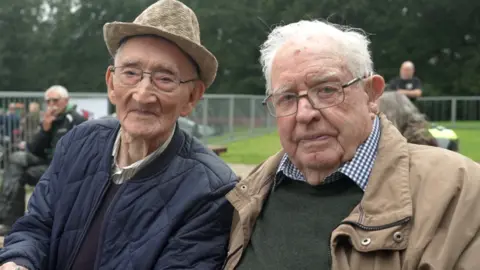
407	84
26	167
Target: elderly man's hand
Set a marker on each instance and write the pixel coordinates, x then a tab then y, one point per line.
11	266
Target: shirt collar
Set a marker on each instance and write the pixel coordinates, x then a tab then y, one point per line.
148	158
358	169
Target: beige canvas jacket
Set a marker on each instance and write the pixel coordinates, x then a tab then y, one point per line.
421	210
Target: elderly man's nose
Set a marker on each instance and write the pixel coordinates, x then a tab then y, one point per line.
144	94
305	111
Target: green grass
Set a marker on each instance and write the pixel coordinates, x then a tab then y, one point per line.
238	134
257	149
253	150
469	143
460	125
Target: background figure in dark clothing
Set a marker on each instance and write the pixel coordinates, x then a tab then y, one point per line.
29	124
10	121
406	83
26	167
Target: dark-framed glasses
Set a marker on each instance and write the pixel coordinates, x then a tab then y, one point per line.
162	80
321	96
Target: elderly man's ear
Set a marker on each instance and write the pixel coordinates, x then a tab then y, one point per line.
374	87
109	82
195	94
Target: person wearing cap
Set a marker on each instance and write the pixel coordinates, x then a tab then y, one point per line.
137	192
347	191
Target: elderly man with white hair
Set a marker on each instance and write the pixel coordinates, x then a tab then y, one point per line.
26	167
347	191
134	192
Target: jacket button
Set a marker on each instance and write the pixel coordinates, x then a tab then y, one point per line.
398	237
366	241
243	187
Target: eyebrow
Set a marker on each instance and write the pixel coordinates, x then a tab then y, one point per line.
283	88
159	67
317	78
311	79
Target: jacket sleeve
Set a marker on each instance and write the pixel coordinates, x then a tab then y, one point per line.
203	241
456	243
28	243
40	142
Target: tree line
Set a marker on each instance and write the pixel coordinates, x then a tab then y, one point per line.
45	42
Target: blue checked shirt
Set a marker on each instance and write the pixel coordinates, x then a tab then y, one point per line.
358	169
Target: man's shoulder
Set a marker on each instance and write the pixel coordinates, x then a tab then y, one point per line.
76	117
261	175
393	83
443	166
207	161
414	78
93	128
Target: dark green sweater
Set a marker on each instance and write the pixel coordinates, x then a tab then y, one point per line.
293	231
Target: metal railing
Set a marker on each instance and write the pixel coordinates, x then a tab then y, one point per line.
453	111
219	118
233	117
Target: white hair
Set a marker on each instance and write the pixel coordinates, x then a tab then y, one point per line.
351	43
62	91
399	109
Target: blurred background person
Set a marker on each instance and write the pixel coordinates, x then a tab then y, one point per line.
10	121
407	84
406	118
29	123
26	167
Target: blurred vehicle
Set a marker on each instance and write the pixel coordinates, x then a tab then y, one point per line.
446	138
196	130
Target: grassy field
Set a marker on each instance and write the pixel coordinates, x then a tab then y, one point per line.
255	150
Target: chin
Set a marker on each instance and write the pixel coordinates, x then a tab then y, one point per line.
322	159
142	130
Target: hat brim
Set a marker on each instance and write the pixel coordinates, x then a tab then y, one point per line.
114	32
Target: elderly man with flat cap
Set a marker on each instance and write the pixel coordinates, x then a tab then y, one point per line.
137	193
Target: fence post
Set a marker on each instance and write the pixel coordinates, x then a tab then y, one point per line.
252	114
453	113
205	115
231	112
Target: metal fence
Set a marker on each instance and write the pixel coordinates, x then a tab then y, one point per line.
222	118
453	112
216	118
233	117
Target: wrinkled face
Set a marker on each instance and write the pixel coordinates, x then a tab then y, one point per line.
406	71
144	110
316	139
55	103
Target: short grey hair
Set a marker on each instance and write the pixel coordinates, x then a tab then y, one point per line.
352	45
399	109
60	90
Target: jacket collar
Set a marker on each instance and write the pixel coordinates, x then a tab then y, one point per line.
386	199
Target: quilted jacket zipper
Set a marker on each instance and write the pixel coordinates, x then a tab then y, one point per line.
378	228
102	228
87	225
